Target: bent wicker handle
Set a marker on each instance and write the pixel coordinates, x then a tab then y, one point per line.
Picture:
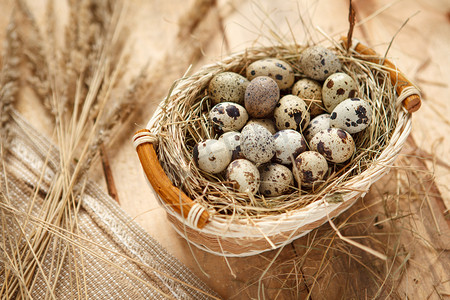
412	102
182	204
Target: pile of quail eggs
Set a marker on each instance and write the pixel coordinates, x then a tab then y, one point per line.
274	130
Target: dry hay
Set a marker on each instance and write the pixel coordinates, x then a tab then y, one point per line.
183	122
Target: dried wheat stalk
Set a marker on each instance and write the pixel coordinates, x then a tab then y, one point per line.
9	77
77	84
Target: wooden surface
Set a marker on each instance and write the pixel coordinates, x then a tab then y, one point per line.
405	215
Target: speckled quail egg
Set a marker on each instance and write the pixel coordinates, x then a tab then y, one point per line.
291	112
211	156
310	167
228	116
311	92
335	144
317	124
353	115
276	179
261	96
257	143
244	176
336	88
228	87
318	62
266	123
288	145
278	70
232	140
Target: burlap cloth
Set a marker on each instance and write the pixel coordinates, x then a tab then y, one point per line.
106	230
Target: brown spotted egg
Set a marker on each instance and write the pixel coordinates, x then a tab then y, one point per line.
261	96
311	92
353	115
257	143
310	167
232	140
228	87
291	112
288	145
266	123
317	124
278	70
211	156
335	144
244	176
337	88
319	62
276	179
228	116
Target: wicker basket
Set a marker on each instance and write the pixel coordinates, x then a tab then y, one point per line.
226	236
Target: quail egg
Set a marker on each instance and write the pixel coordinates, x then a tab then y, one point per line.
319	62
336	88
291	112
278	70
335	144
211	156
310	167
232	140
276	179
288	145
257	143
261	96
266	123
317	124
228	116
311	92
244	176
353	115
228	87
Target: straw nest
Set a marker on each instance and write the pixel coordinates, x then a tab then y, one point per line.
243	224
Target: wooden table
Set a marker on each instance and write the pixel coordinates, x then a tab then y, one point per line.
397	217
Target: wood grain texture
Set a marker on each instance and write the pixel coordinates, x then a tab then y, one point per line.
405	215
